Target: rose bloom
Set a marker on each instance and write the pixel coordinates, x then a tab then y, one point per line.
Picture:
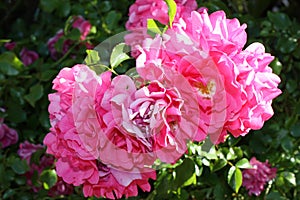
10	45
28	56
148	122
254	179
26	149
141	11
76	138
238	75
84	26
8	136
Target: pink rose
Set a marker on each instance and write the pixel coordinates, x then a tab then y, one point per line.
259	86
28	57
152	116
26	149
8	136
254	179
208	51
82	25
141	11
76	137
10	45
60	188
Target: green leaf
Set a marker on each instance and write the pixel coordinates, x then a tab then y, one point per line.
275	195
290	178
35	93
184	172
112	19
8	194
219	164
92	57
74	34
48	6
7	69
287	144
19	166
287	45
243	164
191	181
15	113
118	55
12	59
172	9
63	8
49	178
295	132
152	27
48	75
235	178
35	157
212	154
276	66
281	21
231	154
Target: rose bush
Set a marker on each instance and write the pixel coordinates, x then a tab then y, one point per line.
190	50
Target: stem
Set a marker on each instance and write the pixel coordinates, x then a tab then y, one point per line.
66	54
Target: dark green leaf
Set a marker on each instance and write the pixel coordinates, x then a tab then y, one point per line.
295	130
48	75
49	178
49	6
15	113
287	144
275	195
35	157
184	172
7	69
35	93
9	193
218	164
63	8
276	66
19	166
112	19
191	180
287	45
118	55
280	20
74	34
12	59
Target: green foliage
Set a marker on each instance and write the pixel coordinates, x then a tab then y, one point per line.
206	172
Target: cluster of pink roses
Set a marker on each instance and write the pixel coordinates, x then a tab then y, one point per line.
254	179
26	150
8	136
79	23
27	56
197	81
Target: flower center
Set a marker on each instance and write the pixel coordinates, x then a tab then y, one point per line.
206	91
